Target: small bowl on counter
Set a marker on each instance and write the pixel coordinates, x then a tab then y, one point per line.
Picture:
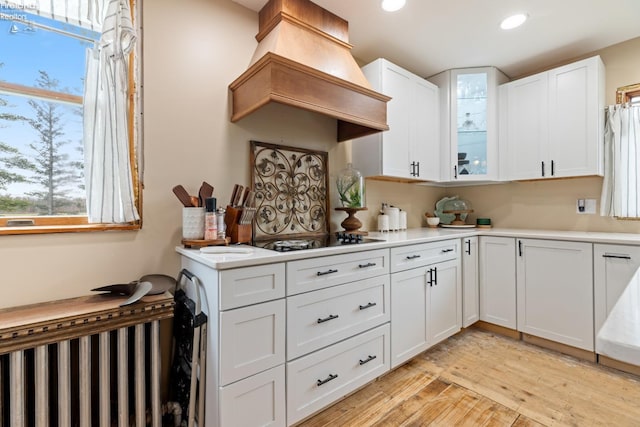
433	221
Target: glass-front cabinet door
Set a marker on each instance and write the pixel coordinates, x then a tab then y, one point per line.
469	123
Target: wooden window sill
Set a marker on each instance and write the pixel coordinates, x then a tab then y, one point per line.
75	228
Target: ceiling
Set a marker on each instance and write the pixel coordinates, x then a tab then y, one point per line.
428	36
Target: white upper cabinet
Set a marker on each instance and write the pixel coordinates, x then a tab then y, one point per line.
469	123
409	150
554	122
526	126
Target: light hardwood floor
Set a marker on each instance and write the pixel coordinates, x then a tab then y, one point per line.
477	378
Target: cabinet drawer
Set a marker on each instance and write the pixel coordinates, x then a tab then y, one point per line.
318	319
251	285
251	340
404	258
255	401
317	273
317	380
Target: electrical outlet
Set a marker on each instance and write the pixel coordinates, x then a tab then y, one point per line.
586	206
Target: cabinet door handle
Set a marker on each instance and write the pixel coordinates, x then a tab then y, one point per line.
412	256
323	273
543	168
369	305
369	264
520	247
326	319
430	279
553	168
331	377
455	172
367	360
468	251
616	256
444	251
415	165
435	276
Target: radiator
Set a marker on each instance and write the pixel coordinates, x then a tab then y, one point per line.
82	362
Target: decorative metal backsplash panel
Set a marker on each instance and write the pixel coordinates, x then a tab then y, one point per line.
291	186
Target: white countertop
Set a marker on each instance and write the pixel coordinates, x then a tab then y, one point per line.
402	238
265	256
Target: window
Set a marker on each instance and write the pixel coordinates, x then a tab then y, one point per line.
621	185
42	75
629	93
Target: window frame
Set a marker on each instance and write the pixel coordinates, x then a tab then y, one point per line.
79	223
625	94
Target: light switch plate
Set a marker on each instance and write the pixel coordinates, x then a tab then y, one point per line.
589	206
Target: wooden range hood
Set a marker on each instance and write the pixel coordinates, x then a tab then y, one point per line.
303	59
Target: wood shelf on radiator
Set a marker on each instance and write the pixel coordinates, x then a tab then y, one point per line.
46	323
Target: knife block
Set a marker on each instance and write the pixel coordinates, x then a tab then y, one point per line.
239	233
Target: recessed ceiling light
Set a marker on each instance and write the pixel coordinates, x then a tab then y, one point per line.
393	5
513	21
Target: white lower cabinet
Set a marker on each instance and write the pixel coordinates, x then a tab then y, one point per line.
338	333
426	304
497	268
555	291
312	274
409	335
613	267
251	285
470	282
318	319
245	365
276	359
320	378
251	340
444	298
254	401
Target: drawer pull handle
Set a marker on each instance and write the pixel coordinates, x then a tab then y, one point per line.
616	256
331	377
326	319
369	264
367	360
444	251
364	307
323	273
412	256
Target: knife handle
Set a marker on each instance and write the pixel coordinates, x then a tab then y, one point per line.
245	196
236	200
233	194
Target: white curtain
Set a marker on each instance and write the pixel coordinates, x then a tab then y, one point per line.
82	13
620	196
108	175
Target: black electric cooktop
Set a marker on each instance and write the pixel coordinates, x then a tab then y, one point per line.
314	242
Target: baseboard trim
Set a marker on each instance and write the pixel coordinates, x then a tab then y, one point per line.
620	366
578	353
500	330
